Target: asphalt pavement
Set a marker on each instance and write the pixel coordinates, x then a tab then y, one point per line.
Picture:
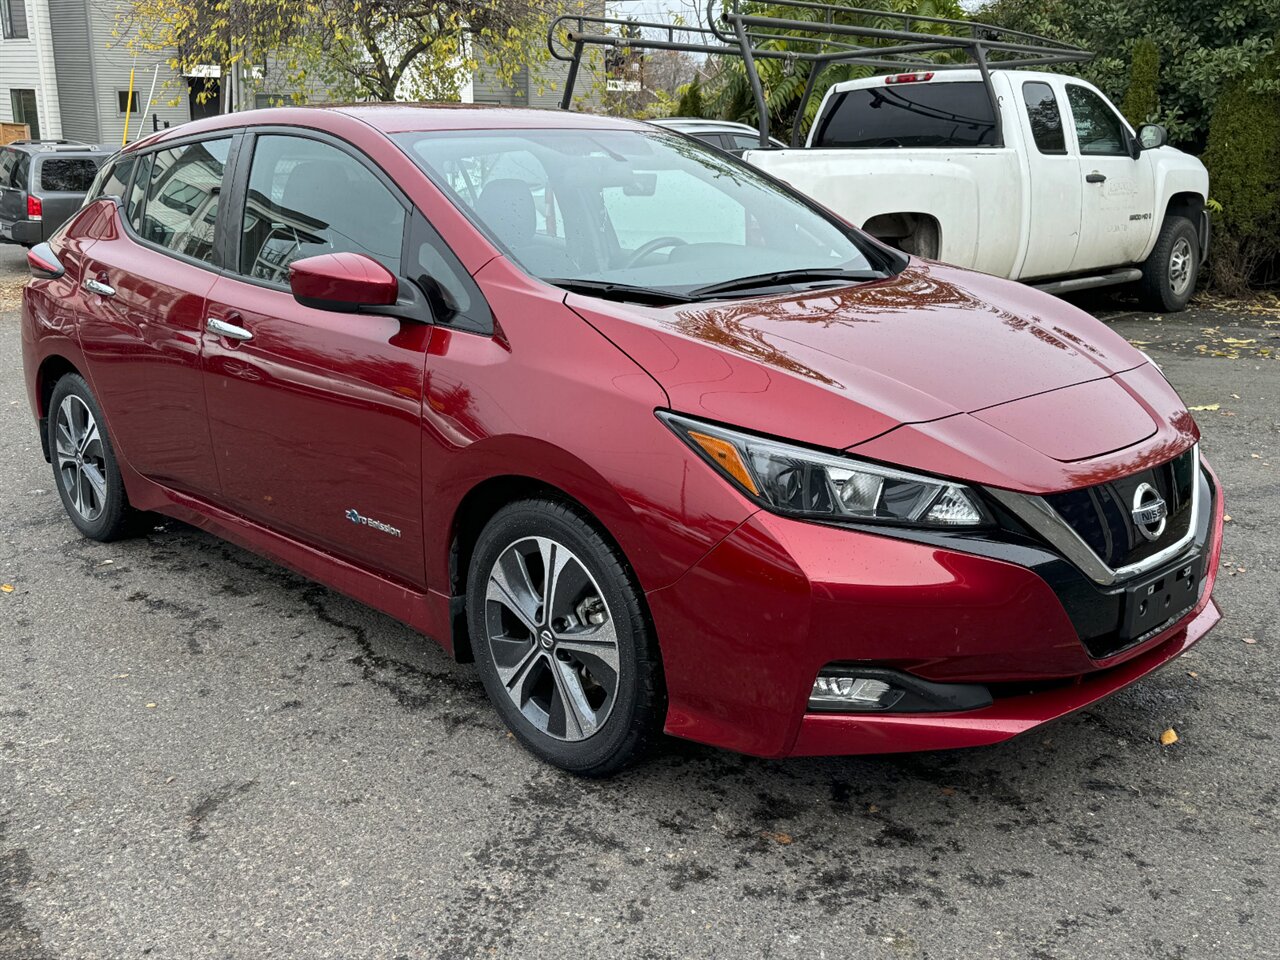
203	755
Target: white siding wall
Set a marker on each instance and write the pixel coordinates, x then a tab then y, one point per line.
112	61
28	65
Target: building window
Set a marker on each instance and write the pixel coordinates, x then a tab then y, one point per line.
13	19
126	101
261	100
24	107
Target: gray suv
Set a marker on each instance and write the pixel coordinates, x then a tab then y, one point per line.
42	183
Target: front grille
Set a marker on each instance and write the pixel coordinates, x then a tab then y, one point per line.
1102	515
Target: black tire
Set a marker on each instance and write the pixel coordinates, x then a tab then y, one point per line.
110	516
635	708
1165	286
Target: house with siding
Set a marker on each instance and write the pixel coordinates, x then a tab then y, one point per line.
65	74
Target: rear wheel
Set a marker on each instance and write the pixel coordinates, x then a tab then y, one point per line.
1169	274
561	639
84	462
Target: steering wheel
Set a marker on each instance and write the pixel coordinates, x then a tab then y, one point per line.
653	246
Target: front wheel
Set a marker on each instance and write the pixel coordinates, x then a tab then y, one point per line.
561	639
1169	274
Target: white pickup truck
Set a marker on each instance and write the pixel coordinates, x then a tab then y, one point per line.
1037	178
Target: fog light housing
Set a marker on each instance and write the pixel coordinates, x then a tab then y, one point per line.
839	691
864	688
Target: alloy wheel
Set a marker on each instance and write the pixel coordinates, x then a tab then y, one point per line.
1181	261
552	638
81	458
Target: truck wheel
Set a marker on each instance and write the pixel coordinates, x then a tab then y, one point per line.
1169	274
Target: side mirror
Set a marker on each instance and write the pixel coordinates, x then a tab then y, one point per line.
1152	136
343	282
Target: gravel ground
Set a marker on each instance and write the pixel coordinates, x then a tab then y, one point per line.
203	755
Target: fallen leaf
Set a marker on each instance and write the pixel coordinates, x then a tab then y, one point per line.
1168	737
948	791
1206	406
1226	518
782	838
1235	396
151	706
1192	674
6	587
872	808
1250	640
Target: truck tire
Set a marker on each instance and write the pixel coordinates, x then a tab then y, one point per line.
1169	274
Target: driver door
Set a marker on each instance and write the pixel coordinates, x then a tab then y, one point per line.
315	415
1116	214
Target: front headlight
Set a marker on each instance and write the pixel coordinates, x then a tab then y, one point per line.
801	482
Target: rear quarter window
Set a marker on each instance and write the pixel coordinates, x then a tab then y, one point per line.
909	115
67	174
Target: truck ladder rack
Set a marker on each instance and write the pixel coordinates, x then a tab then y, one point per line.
816	33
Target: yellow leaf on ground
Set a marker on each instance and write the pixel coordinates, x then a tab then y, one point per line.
782	838
1207	406
6	587
1168	737
151	706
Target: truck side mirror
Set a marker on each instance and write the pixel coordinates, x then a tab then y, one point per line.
1152	136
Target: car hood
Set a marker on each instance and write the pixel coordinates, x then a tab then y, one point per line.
839	368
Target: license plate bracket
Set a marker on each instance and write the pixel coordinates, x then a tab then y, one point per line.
1159	599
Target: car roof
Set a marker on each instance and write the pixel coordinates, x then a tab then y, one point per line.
392	118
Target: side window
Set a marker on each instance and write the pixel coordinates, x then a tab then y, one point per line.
20	179
1045	117
67	174
455	298
307	198
8	161
137	192
1098	129
181	206
114	179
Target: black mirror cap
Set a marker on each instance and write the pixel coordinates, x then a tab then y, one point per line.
1152	136
43	263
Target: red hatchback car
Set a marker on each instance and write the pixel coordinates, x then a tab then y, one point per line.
658	442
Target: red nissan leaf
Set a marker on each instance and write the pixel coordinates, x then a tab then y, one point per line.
654	440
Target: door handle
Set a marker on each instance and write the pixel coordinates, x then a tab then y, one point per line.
229	330
98	287
1096	177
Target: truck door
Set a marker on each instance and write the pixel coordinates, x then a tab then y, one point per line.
1055	183
1116	216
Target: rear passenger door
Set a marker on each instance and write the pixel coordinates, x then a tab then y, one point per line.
142	298
15	171
316	415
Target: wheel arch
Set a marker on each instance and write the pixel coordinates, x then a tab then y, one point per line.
52	369
911	231
474	511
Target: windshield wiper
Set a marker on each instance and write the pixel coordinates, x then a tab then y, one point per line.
618	291
762	280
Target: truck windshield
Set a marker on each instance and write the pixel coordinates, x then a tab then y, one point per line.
632	209
947	114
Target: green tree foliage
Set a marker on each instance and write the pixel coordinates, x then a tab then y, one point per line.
1142	99
1243	157
691	100
1204	46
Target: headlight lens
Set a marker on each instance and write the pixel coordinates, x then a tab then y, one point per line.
798	481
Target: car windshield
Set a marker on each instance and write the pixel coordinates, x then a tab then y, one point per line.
634	209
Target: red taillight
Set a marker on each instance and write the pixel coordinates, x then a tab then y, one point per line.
908	78
35	209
